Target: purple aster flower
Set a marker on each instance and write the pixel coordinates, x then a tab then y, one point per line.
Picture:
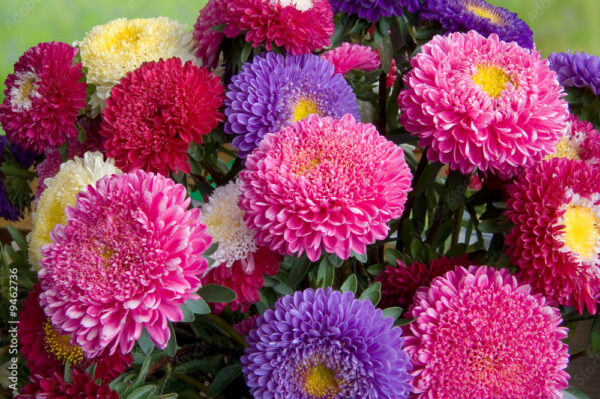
478	15
325	344
577	70
273	91
373	10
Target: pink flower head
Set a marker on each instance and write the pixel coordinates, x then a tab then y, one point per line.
579	141
43	97
555	207
209	40
299	26
55	387
245	326
399	284
323	183
391	76
478	333
352	56
478	102
129	256
156	111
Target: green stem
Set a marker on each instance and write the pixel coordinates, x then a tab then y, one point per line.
457	224
219	321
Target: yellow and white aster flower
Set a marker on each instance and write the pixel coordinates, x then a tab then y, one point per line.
61	191
110	51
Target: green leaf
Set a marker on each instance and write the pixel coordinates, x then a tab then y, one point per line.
456	251
142	392
67	376
335	260
246	50
372	293
197	306
223	378
362	258
297	267
427	177
575	394
350	284
217	293
595	336
376	270
188	315
18	237
325	273
141	377
392	255
145	342
494	226
167	396
211	250
393	312
171	348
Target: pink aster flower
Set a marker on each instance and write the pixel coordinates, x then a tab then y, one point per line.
478	102
156	111
245	326
209	40
555	207
55	387
399	284
47	351
579	141
392	75
478	333
323	183
129	256
352	56
299	26
43	97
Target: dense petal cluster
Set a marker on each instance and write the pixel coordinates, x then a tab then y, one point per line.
478	102
47	351
577	70
580	141
325	344
55	387
478	15
323	183
61	191
399	284
209	39
555	207
129	256
479	334
138	136
111	50
299	26
275	90
43	97
352	56
373	10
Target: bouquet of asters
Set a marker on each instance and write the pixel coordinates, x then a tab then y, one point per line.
306	199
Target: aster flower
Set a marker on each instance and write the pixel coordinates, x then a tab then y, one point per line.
47	351
579	141
325	344
482	103
480	334
555	207
299	26
245	326
43	97
110	51
373	10
325	184
352	56
55	387
399	284
138	137
478	15
274	91
209	40
61	191
577	70
129	256
240	263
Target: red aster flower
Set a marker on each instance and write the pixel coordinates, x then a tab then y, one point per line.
156	111
55	387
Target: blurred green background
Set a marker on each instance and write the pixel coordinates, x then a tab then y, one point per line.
557	25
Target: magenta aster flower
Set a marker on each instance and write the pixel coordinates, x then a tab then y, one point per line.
555	207
156	111
299	26
43	97
399	284
209	40
482	103
129	256
479	334
55	387
579	141
47	351
352	56
323	183
245	326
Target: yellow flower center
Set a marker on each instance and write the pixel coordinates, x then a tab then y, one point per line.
565	149
484	13
307	167
123	38
320	382
26	87
60	347
492	80
304	107
581	231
